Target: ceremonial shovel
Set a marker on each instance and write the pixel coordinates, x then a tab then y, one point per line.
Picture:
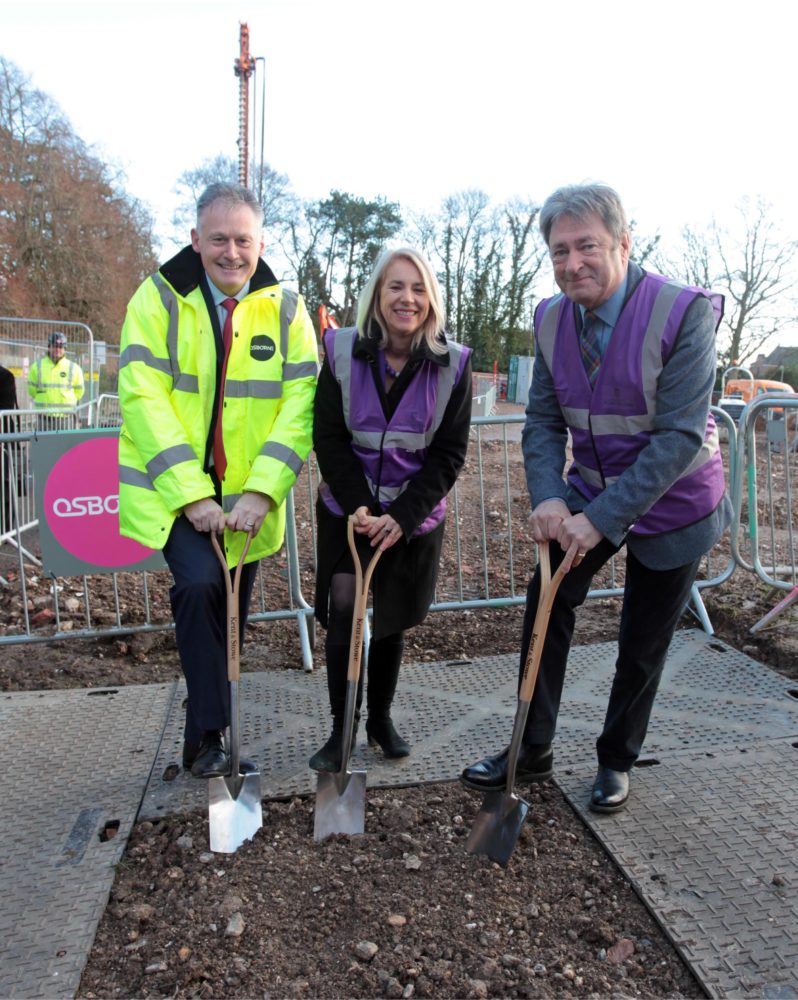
499	821
341	795
234	802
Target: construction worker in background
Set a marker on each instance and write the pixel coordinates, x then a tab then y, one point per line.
217	376
55	384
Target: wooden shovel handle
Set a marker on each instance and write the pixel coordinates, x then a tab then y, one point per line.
362	582
232	585
548	591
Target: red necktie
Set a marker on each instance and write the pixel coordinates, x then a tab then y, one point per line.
219	457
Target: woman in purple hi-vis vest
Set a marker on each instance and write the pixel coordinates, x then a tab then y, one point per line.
390	432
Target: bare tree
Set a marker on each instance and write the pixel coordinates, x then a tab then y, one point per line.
755	271
280	205
73	244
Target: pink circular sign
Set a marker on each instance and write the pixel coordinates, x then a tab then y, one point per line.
81	504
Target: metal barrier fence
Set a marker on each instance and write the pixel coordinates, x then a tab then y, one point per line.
489	502
23	341
763	492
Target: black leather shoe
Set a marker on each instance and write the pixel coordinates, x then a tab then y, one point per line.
190	751
381	733
212	760
535	763
328	757
610	790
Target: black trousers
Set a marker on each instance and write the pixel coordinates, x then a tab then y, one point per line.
199	606
653	602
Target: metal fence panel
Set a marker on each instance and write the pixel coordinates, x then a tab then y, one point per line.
497	577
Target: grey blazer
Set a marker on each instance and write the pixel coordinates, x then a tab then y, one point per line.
684	393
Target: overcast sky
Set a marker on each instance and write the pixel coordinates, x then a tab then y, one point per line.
685	108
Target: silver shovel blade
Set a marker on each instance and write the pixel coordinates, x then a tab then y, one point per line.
497	826
340	804
234	811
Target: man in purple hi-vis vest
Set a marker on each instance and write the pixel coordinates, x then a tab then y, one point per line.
625	364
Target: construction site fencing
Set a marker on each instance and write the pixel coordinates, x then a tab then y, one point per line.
764	491
23	341
490	502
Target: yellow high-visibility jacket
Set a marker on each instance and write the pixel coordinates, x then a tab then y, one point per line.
167	386
55	385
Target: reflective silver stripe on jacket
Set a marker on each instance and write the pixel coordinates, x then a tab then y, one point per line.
169	458
180	380
134	477
288	305
252	388
300	369
138	352
282	453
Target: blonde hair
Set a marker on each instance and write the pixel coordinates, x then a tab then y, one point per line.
368	304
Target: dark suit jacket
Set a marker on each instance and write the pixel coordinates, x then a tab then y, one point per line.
684	393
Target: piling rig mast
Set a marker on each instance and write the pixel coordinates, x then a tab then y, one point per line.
244	68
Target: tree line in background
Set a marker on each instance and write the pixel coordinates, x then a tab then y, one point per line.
75	245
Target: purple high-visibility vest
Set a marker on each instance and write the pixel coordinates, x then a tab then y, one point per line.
612	422
391	451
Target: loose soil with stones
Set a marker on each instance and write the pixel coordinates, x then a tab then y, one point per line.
403	910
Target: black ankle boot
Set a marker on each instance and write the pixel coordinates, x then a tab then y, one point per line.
328	757
381	732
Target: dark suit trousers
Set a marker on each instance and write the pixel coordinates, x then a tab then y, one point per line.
199	605
653	602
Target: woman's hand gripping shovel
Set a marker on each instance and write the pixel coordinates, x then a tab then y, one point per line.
234	802
499	821
341	795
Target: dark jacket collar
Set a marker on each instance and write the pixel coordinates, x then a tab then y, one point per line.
184	272
367	347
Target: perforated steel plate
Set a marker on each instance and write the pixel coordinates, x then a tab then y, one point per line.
76	764
708	840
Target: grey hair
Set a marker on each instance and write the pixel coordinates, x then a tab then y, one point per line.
368	303
578	201
232	194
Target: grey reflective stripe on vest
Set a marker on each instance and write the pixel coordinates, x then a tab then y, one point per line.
169	458
548	329
447	377
342	360
652	341
708	450
390	439
288	304
282	453
387	493
593	478
134	477
184	382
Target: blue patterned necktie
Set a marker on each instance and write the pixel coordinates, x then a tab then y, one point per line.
591	349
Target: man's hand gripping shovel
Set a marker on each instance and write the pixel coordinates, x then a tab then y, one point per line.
341	795
499	821
234	802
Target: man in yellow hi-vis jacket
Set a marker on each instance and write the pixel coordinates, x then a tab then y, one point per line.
55	383
217	376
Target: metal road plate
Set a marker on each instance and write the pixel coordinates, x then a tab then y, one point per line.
76	763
